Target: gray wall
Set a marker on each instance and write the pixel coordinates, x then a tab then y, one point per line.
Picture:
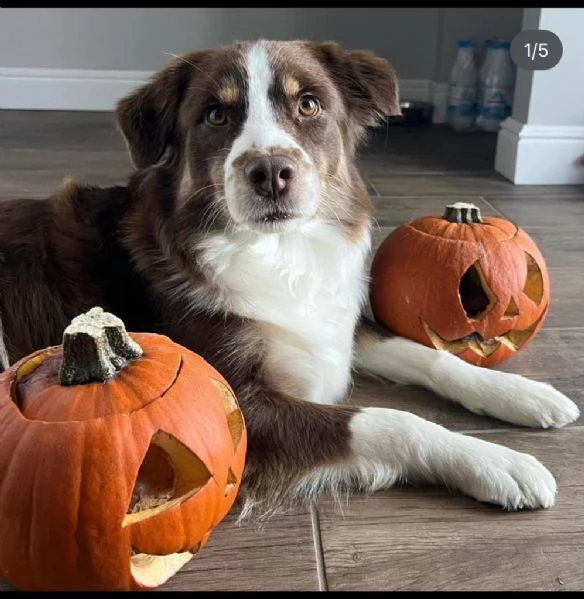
524	78
420	42
477	24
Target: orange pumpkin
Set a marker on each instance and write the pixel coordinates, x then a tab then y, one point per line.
476	287
119	453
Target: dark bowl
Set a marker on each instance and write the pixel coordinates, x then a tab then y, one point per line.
414	114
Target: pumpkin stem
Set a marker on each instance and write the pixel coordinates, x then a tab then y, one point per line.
461	212
96	347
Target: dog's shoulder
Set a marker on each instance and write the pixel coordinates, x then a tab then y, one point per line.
99	208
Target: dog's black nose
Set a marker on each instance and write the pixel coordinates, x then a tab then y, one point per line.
270	176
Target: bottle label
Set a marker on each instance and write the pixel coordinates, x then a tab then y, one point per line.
496	103
462	100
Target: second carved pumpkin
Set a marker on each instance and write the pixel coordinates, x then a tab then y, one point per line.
475	286
119	454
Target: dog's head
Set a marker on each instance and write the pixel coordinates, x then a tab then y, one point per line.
260	135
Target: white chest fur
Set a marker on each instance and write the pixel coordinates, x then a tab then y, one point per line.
306	289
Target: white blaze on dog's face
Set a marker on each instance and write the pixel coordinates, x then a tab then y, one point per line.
270	180
262	136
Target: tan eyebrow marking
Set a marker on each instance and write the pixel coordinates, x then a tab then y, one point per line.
228	92
291	85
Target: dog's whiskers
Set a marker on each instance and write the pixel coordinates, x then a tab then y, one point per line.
210	186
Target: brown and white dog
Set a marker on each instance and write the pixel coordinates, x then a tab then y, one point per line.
244	235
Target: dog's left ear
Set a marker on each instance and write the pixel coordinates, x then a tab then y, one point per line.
369	83
148	116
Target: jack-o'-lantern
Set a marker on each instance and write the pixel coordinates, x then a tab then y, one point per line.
475	286
119	453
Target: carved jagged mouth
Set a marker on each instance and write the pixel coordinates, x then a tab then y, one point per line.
154	570
513	339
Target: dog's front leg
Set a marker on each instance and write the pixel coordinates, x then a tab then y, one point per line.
300	449
509	397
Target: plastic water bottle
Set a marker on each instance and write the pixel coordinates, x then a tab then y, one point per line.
497	82
462	89
487	59
485	66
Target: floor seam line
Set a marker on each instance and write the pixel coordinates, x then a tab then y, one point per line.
318	548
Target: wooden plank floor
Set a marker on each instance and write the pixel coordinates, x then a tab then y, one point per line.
408	538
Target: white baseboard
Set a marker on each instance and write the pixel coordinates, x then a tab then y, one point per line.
71	89
65	89
540	155
415	89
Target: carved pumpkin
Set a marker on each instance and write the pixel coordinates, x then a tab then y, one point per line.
476	287
118	456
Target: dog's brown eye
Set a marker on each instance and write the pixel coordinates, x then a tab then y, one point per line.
216	116
308	106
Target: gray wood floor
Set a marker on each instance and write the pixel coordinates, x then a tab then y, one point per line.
408	538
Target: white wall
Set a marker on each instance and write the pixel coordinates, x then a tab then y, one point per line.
420	42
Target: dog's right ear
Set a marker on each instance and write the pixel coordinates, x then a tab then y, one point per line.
368	82
148	116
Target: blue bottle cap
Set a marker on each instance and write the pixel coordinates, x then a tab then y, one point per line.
500	44
464	43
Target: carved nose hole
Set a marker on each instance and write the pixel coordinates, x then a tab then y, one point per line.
511	311
476	296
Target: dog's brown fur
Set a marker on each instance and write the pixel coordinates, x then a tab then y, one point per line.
128	249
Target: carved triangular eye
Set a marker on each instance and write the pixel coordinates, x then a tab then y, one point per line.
512	310
170	474
476	297
232	411
533	288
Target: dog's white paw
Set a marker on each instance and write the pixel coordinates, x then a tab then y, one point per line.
547	407
519	400
496	474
